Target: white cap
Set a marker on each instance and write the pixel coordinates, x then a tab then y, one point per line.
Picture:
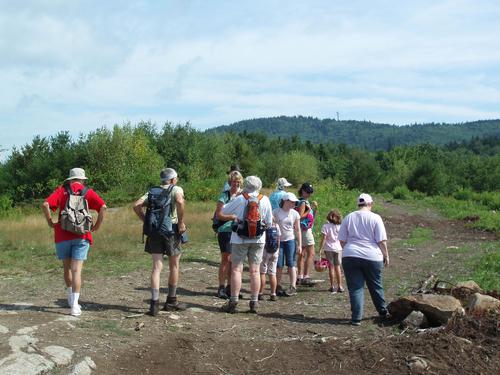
76	174
290	197
167	174
365	198
282	182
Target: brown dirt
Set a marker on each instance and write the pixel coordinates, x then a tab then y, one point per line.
308	333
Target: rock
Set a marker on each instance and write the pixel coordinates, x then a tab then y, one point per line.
417	365
3	329
480	303
60	355
437	308
85	367
464	290
27	330
416	319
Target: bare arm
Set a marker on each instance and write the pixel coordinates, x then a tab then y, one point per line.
385	252
100	218
342	243
48	216
298	235
179	203
322	242
138	208
219	215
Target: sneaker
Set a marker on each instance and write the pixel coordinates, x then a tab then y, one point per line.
154	307
307	282
340	290
229	307
172	305
273	297
76	310
253	307
356	323
299	281
260	297
221	293
291	292
332	290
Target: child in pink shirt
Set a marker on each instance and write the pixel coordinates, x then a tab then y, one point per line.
330	244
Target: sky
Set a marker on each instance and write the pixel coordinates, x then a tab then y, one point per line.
80	65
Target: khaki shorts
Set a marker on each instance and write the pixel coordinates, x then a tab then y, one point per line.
251	251
333	257
307	237
160	245
269	263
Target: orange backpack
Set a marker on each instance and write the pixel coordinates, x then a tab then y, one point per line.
251	226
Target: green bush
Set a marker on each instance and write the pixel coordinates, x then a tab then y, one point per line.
401	192
207	190
5	204
463	194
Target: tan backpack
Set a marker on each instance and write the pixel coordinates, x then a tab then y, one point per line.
75	216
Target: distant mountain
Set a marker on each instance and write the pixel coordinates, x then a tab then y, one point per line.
364	134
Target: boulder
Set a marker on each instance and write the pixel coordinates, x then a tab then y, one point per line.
464	290
416	319
437	308
480	303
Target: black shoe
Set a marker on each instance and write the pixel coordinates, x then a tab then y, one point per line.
307	282
253	307
260	297
280	292
172	305
273	297
229	307
154	307
291	292
221	293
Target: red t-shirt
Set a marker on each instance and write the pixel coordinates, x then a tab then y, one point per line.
57	200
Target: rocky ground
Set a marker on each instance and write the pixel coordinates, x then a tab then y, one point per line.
308	333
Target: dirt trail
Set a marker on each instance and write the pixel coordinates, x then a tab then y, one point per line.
307	333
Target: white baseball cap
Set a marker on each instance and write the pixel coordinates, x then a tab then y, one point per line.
282	182
290	197
365	198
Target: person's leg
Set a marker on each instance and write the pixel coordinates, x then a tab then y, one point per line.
254	254
236	271
373	274
355	283
309	261
273	283
300	264
173	277
262	283
68	280
156	272
338	277
331	276
279	270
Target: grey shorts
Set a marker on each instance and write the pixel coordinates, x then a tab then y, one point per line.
334	258
307	237
160	245
269	262
251	251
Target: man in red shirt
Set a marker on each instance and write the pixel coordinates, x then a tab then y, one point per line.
72	248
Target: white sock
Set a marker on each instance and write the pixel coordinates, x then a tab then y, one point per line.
155	294
75	297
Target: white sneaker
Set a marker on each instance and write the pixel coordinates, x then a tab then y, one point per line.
76	310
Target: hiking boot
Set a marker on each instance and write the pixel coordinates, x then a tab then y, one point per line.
253	307
273	297
154	307
221	293
260	297
340	290
172	305
229	307
291	292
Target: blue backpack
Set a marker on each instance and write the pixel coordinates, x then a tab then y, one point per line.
157	221
272	239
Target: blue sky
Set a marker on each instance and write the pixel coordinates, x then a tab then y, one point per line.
80	65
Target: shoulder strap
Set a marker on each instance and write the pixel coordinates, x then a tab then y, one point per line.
68	189
84	191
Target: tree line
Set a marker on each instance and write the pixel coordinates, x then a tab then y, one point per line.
363	134
123	161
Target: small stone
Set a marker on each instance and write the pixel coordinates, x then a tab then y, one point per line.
60	355
416	319
174	317
480	303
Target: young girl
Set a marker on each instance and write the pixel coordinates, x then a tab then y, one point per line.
331	245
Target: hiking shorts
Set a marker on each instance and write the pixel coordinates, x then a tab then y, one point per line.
269	263
75	249
307	237
158	244
224	239
334	258
252	251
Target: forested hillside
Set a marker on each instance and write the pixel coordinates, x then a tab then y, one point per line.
363	134
122	162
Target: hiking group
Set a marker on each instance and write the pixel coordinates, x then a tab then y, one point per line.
267	232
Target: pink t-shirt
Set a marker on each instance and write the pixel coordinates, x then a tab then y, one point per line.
331	233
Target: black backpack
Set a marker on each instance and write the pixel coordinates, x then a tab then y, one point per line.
157	220
272	239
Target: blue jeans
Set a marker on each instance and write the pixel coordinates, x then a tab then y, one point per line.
357	271
287	251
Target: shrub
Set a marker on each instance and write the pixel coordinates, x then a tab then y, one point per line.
401	192
5	204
